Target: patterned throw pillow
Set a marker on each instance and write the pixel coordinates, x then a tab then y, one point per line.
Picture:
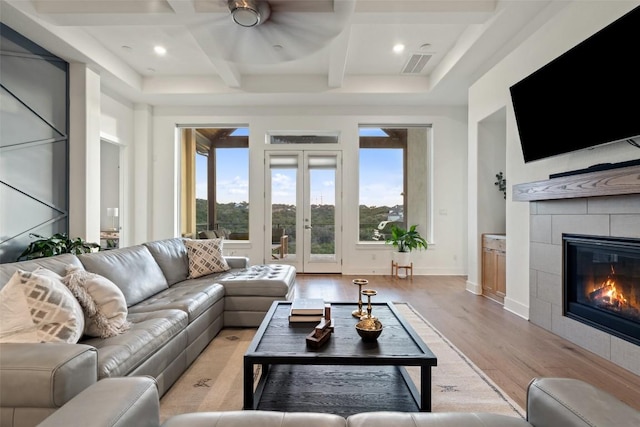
38	307
103	303
205	257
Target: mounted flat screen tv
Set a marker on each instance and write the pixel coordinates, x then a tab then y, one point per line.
588	96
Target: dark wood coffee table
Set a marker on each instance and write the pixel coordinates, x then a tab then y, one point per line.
278	342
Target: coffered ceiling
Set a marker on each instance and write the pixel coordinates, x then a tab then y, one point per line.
308	52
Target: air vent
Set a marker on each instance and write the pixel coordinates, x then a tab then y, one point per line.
416	63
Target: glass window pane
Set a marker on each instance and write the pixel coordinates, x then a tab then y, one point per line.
323	212
202	207
232	192
311	137
381	191
283	210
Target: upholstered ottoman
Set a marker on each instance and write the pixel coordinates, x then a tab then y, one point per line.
249	292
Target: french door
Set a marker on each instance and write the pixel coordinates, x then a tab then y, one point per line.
303	224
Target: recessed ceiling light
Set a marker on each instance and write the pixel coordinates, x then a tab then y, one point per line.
151	70
126	48
399	48
425	46
277	47
160	50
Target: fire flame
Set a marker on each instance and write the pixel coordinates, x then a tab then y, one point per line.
608	294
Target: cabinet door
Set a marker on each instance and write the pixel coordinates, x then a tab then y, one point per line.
489	264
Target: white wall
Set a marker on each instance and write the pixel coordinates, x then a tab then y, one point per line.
84	153
489	94
447	254
491	160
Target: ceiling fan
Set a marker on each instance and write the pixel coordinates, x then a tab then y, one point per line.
249	13
273	31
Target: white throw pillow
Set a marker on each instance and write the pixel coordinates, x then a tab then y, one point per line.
38	307
205	257
104	305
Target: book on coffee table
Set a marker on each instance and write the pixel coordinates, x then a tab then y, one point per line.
307	306
302	318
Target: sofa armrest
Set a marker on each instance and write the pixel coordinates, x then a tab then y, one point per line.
237	261
555	402
45	375
122	401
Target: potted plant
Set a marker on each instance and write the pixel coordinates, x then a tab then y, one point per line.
57	244
405	241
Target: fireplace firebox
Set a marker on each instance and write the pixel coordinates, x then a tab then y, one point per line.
601	283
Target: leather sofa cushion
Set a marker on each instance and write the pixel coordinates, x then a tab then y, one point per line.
440	419
112	402
237	262
119	355
57	264
274	280
256	418
132	269
244	303
190	296
171	256
45	375
561	402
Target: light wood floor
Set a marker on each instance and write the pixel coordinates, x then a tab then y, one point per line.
509	349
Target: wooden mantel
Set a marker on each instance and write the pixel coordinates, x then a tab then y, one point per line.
611	182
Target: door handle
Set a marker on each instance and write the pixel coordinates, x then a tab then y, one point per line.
308	227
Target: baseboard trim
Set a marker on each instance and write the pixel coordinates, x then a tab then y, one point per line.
516	308
386	271
474	288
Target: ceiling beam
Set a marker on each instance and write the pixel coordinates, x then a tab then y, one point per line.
182	6
226	70
413	6
101	6
338	58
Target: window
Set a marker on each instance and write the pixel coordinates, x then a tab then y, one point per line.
308	137
393	176
216	182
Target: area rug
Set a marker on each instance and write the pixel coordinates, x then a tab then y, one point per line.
457	384
214	381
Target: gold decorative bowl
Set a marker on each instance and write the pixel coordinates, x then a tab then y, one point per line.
369	329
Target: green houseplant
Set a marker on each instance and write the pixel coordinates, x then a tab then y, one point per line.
57	244
406	240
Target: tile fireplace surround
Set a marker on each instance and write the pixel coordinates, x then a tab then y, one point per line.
597	203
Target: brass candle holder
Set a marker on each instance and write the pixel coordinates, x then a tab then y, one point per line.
369	293
369	328
359	312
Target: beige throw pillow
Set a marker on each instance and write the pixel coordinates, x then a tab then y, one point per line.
103	303
37	307
205	257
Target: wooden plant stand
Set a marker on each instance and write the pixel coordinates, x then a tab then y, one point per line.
408	269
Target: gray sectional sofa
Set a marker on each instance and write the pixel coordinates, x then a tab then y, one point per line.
551	402
172	318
